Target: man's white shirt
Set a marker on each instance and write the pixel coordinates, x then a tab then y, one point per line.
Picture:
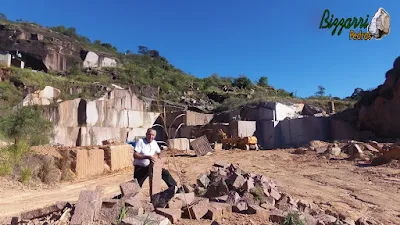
145	148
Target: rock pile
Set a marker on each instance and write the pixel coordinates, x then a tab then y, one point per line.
131	207
226	189
372	152
233	189
353	149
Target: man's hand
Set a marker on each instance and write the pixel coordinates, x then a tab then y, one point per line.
153	158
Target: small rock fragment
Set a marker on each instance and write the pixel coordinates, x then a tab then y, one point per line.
108	203
277	216
275	194
214	212
267	206
248	198
303	206
135	199
160	200
240	207
335	151
187	188
300	151
248	185
220	164
327	219
134	211
175	203
148	218
198	209
321	150
233	198
370	148
222	199
255	209
186	198
217	188
203	181
237	181
364	221
307	218
130	188
43	211
349	221
87	208
172	214
225	206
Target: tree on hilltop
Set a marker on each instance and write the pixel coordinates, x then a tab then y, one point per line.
321	91
357	94
3	16
263	81
149	52
241	82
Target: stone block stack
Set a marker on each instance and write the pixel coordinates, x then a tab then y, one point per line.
119	115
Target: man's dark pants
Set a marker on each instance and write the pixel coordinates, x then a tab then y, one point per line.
141	173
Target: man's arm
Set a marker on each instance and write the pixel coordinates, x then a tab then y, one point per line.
138	150
158	150
137	155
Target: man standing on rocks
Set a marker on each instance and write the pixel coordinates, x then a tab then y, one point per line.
145	153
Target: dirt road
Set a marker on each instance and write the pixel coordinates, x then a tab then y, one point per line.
15	201
341	186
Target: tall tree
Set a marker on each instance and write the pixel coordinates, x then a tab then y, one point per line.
263	81
3	16
357	94
143	50
321	91
241	82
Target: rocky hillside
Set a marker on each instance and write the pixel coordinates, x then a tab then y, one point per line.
379	109
78	67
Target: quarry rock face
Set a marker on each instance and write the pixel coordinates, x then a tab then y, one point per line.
42	97
379	111
119	115
45	50
93	60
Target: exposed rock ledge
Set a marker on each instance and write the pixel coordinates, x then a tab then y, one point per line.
379	110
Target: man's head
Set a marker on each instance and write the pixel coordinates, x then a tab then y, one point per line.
150	134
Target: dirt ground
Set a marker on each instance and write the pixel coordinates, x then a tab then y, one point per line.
342	186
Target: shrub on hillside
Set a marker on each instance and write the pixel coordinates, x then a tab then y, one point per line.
263	82
28	124
11	156
241	82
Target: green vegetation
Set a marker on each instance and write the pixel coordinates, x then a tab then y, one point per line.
95	46
241	82
26	123
149	67
26	127
292	219
122	213
320	92
26	175
263	82
258	193
11	156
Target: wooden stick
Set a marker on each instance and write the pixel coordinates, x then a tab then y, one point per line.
151	178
